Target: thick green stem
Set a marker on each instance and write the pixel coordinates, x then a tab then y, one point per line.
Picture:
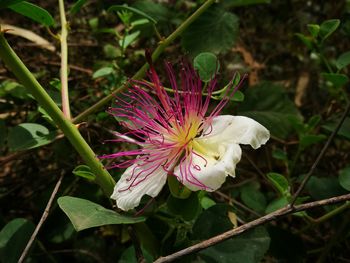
64	61
139	74
14	63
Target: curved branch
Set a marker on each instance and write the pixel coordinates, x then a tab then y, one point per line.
260	221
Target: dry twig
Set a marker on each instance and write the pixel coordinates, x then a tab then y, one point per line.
260	221
42	220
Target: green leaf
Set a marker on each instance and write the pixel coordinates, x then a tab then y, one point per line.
280	182
33	12
29	135
15	89
207	202
253	198
307	40
338	80
6	3
343	60
85	214
269	104
158	12
344	129
117	8
307	140
280	154
129	256
249	247
324	187
211	222
276	204
128	39
313	29
188	208
344	178
102	72
177	189
328	27
214	31
77	6
84	171
237	3
207	65
13	238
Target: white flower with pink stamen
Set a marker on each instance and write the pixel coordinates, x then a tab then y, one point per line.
176	137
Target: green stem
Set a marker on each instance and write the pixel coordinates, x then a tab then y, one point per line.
139	74
64	61
14	63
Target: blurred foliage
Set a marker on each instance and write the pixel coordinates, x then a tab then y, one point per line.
297	56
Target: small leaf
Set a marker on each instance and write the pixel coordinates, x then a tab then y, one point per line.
207	65
328	27
344	178
250	247
85	214
188	208
253	198
324	187
338	80
177	189
280	182
307	40
84	171
207	202
102	72
29	135
13	238
77	6
280	154
128	39
214	31
307	140
33	12
276	204
313	29
116	8
343	60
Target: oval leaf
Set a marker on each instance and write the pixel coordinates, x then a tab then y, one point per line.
280	182
13	239
85	214
328	27
29	135
343	60
215	31
207	66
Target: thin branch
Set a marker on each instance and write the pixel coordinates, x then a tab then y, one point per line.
42	220
64	61
319	157
260	221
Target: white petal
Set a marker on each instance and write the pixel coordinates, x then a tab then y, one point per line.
236	129
150	181
212	172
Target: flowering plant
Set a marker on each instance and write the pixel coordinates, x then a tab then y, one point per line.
176	136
